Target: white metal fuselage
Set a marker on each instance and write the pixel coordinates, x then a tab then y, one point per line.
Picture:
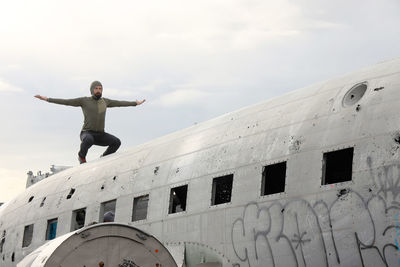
351	223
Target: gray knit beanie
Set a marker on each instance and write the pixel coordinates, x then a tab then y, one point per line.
93	85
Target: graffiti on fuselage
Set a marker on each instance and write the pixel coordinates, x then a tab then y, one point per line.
352	229
397	240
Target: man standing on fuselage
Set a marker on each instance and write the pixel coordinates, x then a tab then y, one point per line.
94	111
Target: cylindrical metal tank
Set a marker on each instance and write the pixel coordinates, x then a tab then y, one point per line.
110	244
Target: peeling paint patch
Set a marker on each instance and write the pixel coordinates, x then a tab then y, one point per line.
295	144
396	145
128	263
59	202
343	192
397	138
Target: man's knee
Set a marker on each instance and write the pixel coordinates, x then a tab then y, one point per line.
113	144
117	142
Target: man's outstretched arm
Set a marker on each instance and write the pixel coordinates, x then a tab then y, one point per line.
117	103
75	102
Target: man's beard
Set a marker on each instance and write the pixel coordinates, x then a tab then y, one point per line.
97	96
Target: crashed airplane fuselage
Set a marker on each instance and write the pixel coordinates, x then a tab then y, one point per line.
310	178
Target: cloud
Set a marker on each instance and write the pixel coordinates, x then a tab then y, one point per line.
151	86
14	181
182	97
8	88
132	29
134	91
113	92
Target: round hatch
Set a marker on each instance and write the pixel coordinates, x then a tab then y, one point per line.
354	94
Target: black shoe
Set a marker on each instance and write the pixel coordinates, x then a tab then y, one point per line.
81	160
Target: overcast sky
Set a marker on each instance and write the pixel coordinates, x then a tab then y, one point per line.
191	60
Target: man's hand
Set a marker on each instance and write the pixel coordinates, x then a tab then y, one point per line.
41	97
140	102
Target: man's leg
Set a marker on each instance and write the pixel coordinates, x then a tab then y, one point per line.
87	141
109	140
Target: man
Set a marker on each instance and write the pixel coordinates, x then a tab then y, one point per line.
94	111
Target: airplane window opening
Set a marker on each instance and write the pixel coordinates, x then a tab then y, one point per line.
3	240
140	205
51	229
222	189
78	219
337	166
30	199
28	233
177	199
273	179
107	211
43	200
71	192
354	94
